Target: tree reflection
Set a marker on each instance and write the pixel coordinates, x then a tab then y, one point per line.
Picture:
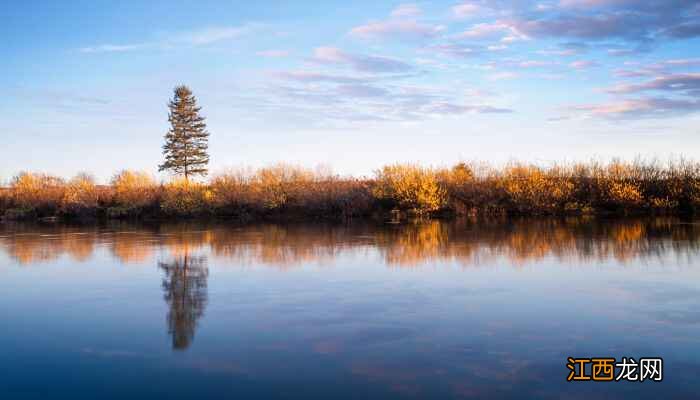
185	291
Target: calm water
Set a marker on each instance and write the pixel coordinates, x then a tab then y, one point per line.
438	310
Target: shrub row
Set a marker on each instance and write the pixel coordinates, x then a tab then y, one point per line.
283	190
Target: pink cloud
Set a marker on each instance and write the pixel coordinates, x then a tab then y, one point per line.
405	29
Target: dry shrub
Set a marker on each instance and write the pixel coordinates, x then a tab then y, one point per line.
186	198
36	191
134	189
532	189
293	189
80	196
231	190
410	187
281	185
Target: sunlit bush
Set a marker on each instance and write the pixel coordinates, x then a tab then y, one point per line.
40	192
186	198
134	189
411	187
533	189
80	196
231	190
280	185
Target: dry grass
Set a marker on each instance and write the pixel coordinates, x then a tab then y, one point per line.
284	190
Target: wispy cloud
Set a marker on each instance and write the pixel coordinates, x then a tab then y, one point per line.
273	53
402	24
114	48
406	10
680	83
194	38
371	63
583	64
397	29
653	107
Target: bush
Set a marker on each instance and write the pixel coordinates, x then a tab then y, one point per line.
531	189
133	189
411	187
40	192
185	198
80	196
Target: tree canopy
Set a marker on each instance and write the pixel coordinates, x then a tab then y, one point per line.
187	141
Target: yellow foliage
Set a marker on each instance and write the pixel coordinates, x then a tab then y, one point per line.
411	186
34	190
80	193
183	197
530	187
134	189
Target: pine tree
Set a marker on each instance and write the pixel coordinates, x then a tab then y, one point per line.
187	140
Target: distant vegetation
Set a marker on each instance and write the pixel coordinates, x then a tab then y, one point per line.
285	191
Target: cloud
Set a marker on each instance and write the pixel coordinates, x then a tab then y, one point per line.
396	29
456	109
365	91
461	50
637	21
273	53
669	95
198	37
333	99
211	35
318	77
583	64
488	30
653	107
406	10
113	48
499	76
375	64
467	9
682	83
534	64
657	68
684	31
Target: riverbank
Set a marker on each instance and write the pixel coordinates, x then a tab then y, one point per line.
394	192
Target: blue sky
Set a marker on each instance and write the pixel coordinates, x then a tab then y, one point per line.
351	85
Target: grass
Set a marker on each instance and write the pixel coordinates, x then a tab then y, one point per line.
639	187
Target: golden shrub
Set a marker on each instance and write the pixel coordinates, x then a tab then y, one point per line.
134	189
532	188
279	185
35	190
411	186
623	193
183	197
80	194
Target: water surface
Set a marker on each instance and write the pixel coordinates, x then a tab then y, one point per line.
481	309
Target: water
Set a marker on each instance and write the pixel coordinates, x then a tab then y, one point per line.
426	310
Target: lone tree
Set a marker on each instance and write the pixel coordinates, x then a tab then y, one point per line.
187	140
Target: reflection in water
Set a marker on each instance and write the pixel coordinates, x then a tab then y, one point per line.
185	288
466	242
357	330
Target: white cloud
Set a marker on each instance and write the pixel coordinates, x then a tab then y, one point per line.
273	53
109	48
466	10
371	63
211	35
499	76
199	37
404	29
406	10
583	64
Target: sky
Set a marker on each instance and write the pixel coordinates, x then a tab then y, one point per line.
349	85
